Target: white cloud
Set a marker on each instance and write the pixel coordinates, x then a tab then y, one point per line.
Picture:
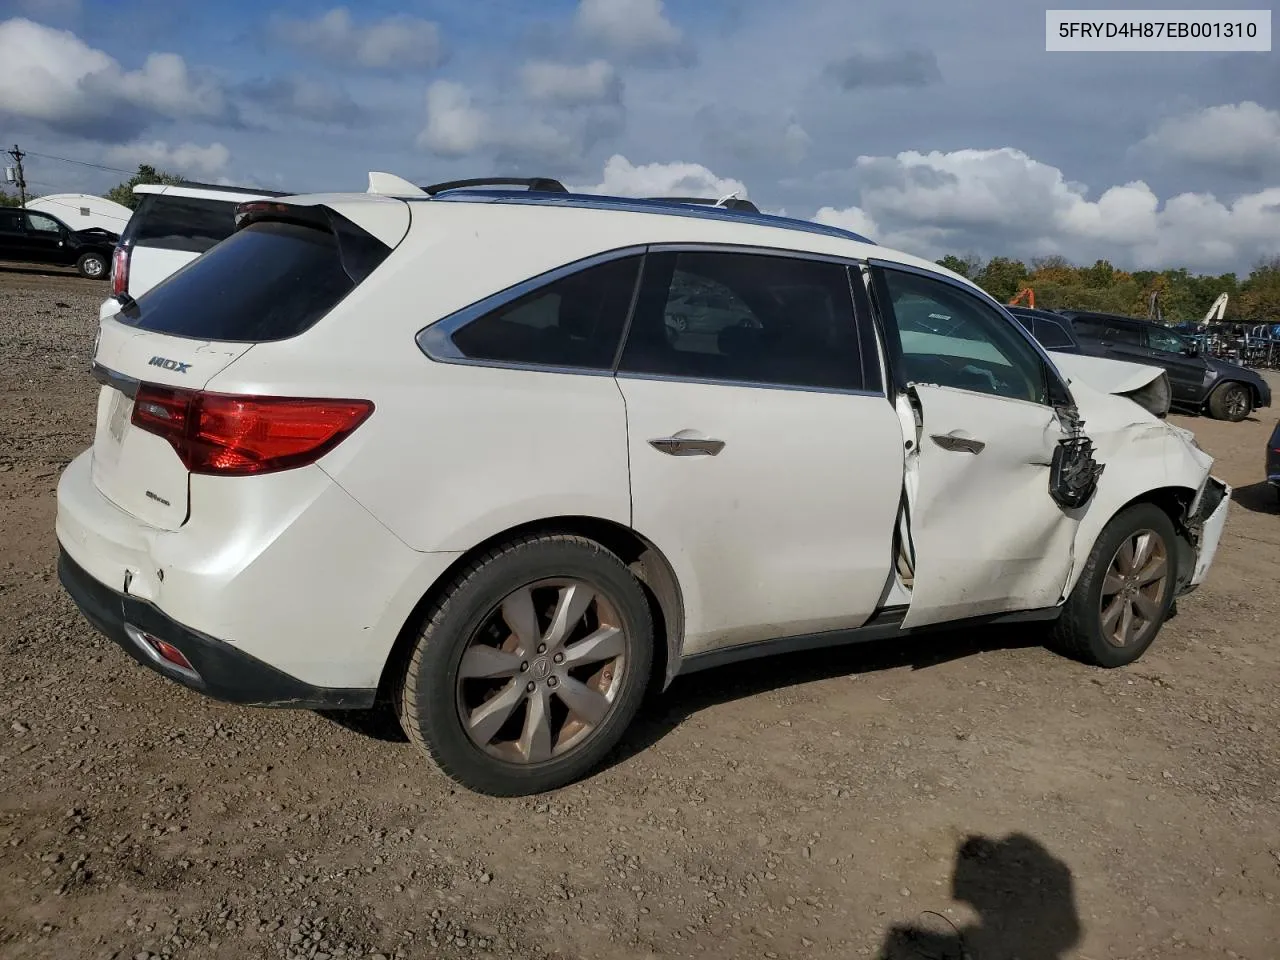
303	97
455	127
1005	202
631	29
54	77
397	41
1242	136
624	179
187	159
850	218
562	83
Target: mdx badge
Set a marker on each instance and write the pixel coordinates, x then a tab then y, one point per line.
174	365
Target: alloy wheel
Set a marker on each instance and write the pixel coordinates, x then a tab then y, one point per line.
1133	590
1237	402
542	673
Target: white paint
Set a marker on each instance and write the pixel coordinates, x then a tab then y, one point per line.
83	211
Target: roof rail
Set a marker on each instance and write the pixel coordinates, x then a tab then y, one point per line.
540	184
729	203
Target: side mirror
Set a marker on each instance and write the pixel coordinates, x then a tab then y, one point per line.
1191	350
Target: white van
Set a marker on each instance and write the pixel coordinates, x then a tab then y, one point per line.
173	225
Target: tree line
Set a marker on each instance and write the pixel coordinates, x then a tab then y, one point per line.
1059	284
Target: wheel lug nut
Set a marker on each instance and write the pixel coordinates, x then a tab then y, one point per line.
552	681
531	686
558	658
542	648
524	666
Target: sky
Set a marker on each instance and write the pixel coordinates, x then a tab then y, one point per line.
932	127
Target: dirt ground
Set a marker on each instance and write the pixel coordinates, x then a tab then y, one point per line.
888	800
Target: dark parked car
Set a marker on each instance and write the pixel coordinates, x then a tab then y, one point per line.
1273	460
1053	331
28	236
1200	383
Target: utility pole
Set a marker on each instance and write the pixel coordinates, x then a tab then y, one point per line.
20	180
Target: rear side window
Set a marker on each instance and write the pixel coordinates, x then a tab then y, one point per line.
190	224
268	281
10	221
573	322
745	318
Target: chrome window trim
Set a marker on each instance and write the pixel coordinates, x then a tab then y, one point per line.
435	339
982	297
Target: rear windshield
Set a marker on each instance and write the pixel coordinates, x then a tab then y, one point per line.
189	224
268	281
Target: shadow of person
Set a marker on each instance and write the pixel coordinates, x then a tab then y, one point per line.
1024	898
1258	497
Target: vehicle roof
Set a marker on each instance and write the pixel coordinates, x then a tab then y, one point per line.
1097	315
212	191
749	228
1037	312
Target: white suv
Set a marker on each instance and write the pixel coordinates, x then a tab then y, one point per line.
444	449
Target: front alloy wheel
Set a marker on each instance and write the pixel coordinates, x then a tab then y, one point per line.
1124	592
1133	590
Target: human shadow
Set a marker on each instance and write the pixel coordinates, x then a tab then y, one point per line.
1257	497
1023	896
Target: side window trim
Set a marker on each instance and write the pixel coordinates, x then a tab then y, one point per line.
1058	389
435	340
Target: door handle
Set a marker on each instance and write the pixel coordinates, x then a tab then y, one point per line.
958	444
687	446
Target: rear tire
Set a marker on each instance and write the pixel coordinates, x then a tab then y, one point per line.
93	266
530	667
1231	402
1117	608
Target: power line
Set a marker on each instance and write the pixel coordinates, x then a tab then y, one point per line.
83	163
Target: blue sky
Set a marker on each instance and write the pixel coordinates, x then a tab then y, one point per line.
934	126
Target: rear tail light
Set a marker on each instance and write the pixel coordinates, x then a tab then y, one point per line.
120	271
235	435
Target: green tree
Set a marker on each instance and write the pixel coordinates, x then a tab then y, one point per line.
966	266
122	193
8	200
1100	276
1260	294
1002	277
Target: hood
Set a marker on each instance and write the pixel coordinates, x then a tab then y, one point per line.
97	234
1145	385
1234	370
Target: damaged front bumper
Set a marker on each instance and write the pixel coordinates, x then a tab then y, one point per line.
1204	523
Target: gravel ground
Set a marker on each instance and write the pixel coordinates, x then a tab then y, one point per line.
882	801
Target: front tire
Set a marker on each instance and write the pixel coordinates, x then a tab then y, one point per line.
92	266
1125	591
1231	401
530	667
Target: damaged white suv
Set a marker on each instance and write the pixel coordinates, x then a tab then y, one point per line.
449	448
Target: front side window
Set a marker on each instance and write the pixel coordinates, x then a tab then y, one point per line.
573	322
953	339
39	223
1165	340
745	318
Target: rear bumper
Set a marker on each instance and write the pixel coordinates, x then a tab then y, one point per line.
219	669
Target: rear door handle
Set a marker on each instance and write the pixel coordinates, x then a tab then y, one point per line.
958	444
687	446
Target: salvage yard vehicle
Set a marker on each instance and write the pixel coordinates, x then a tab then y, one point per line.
173	224
441	448
1201	384
30	236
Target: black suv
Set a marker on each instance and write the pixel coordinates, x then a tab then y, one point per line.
1225	390
32	237
1053	332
